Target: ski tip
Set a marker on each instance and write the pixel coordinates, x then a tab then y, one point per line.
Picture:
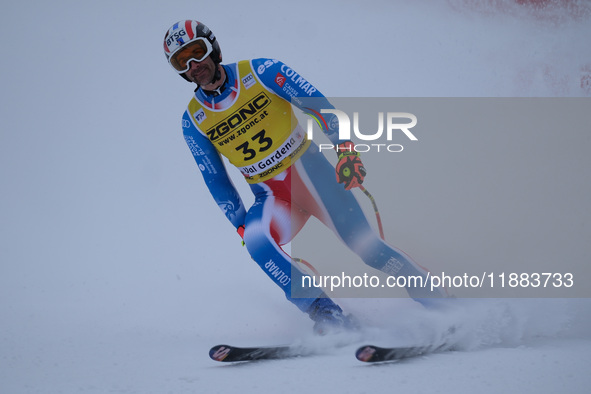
219	352
365	353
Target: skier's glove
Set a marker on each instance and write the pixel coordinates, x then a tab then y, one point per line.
350	170
240	231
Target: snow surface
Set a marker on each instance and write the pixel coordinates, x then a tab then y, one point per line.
116	278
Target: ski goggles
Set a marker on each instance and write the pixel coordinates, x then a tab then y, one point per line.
198	50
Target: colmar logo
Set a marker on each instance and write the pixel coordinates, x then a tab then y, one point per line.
280	79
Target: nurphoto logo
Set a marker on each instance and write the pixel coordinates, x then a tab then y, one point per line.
389	123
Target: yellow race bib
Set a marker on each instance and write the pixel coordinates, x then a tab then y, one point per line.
252	128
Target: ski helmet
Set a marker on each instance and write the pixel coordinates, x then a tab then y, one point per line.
185	34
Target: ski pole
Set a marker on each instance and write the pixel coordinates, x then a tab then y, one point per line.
375	208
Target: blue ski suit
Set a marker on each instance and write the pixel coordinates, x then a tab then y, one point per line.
250	123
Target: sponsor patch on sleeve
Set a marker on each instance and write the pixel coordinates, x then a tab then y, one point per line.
248	80
280	79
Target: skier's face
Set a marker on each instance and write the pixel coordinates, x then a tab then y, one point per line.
202	73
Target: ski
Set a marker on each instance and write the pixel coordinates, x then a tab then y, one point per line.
227	353
367	353
374	354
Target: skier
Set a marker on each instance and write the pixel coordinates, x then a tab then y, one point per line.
243	112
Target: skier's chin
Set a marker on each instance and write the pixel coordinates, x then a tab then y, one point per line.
201	78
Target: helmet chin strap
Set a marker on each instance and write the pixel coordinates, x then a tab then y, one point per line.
216	77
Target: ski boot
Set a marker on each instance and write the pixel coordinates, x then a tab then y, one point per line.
329	317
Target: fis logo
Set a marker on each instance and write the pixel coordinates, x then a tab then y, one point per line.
200	116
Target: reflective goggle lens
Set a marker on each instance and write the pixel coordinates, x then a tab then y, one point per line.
196	50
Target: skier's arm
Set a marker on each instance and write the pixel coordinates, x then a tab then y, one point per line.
288	84
214	173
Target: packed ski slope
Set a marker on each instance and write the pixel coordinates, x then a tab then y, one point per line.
118	272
